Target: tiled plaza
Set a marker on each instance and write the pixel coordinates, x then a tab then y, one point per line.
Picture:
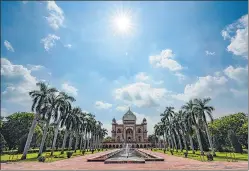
170	163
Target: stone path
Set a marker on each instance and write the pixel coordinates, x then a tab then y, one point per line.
170	163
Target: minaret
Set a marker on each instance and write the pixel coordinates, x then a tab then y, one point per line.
114	129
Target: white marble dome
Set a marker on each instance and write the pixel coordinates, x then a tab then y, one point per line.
129	116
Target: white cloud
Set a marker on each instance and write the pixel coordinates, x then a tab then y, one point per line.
180	76
56	15
8	46
68	46
20	82
209	86
102	105
49	41
4	112
208	53
239	74
237	33
69	89
25	2
239	92
165	60
122	108
35	67
141	76
158	82
140	94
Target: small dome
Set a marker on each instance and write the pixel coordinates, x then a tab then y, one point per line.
129	116
113	120
144	120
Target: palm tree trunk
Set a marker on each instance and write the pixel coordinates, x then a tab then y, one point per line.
164	147
179	139
97	142
209	139
81	141
191	143
85	144
185	142
64	141
174	139
76	142
44	136
70	140
56	131
199	139
30	136
169	144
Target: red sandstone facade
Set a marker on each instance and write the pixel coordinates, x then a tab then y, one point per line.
129	132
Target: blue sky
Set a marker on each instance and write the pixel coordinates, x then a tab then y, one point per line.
173	51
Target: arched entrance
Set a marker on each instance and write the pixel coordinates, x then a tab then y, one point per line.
129	135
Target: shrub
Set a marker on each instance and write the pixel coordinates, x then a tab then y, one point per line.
69	154
41	159
83	152
185	154
210	157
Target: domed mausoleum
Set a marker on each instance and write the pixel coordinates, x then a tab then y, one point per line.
129	132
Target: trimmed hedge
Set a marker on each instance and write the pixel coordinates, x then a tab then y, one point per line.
30	151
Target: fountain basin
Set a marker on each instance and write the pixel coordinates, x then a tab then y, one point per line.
124	160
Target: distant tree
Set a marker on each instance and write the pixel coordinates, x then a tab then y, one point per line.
152	139
234	141
15	127
107	139
219	129
2	143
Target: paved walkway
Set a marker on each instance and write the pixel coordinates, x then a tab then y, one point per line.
170	163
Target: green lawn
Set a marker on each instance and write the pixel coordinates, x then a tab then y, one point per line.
220	156
33	156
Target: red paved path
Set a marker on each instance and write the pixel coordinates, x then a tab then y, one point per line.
171	162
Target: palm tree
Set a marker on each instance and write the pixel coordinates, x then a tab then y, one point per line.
50	107
191	110
168	115
176	128
104	132
78	119
62	108
75	122
203	109
182	127
68	121
39	98
82	128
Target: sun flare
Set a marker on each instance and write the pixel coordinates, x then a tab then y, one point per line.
122	22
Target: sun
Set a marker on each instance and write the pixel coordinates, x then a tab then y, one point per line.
122	22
